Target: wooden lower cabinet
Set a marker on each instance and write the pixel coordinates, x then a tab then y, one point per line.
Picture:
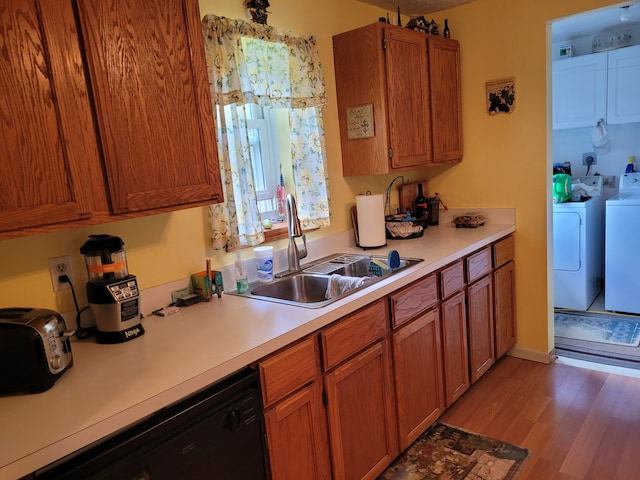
343	402
454	346
480	324
295	416
418	375
504	286
361	414
297	436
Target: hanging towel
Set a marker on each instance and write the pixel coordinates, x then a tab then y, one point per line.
339	284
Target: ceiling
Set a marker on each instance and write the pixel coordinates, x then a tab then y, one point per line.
416	7
594	21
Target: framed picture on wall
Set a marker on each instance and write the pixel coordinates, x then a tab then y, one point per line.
501	96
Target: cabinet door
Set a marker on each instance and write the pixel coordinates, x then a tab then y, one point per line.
623	94
480	327
358	57
504	281
361	412
154	111
446	99
417	367
579	88
455	347
408	98
47	143
297	436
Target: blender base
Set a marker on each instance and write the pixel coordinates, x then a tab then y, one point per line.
121	336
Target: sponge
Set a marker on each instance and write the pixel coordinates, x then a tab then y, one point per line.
393	260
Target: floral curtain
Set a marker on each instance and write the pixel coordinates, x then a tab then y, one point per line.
254	63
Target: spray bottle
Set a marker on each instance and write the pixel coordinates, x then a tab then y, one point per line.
242	281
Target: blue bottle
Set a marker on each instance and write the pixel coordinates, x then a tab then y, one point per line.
630	165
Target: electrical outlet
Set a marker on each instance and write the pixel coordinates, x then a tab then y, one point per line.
609	181
589	159
60	266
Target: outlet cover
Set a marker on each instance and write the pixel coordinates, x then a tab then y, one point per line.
60	266
589	159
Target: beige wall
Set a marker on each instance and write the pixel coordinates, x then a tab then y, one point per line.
504	164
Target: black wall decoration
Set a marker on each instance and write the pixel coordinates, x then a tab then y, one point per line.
258	10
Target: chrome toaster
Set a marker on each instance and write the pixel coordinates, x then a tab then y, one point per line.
34	352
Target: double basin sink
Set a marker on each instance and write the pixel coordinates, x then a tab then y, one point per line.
326	281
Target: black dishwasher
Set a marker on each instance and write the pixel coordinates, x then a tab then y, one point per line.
217	433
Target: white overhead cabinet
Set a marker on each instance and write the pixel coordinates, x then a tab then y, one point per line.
623	101
591	87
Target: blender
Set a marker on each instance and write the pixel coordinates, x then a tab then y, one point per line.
112	293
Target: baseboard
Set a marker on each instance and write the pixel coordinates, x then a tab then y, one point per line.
533	355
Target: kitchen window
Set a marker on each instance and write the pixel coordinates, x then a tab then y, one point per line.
264	150
256	71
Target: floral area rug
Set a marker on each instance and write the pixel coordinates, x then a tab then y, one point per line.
448	453
601	328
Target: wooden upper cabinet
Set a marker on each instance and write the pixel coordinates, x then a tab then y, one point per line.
408	99
46	152
105	113
446	99
148	75
398	99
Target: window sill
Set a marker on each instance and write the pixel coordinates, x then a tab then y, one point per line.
276	232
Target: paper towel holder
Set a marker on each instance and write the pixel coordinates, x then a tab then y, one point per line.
354	219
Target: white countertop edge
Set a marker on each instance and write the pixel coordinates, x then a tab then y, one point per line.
318	318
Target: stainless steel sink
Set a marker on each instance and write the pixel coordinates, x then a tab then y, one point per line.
308	287
301	288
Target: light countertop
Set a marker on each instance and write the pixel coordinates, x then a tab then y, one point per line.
111	387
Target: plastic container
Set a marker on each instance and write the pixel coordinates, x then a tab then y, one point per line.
264	262
630	165
242	280
469	220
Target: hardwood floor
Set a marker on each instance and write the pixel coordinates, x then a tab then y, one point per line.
577	423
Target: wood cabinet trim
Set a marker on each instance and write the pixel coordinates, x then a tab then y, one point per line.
353	333
413	300
452	279
478	264
503	251
289	370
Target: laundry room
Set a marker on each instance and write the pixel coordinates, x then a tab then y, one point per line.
596	132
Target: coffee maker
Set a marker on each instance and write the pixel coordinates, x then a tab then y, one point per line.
112	293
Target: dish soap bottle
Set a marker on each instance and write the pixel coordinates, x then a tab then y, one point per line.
630	165
242	281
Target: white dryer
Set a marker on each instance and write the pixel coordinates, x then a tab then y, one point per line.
578	236
622	260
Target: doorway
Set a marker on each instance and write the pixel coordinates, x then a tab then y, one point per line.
573	144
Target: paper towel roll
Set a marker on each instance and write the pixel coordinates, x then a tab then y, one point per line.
371	232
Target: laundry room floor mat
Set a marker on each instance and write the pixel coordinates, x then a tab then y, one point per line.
602	328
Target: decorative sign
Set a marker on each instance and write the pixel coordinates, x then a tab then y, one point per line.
360	122
501	96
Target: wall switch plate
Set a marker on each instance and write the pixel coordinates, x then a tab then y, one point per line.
60	266
589	158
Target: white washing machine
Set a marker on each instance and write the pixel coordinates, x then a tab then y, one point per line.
578	250
622	259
